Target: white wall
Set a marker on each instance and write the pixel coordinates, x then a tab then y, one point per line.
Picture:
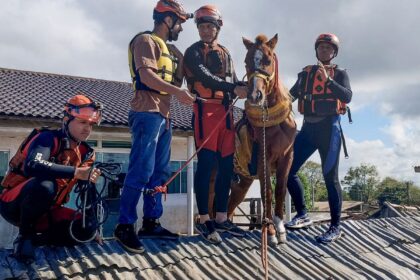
7	231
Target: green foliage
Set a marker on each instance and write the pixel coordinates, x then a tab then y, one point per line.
306	190
361	182
415	195
313	172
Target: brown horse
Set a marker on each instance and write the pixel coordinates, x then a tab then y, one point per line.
271	125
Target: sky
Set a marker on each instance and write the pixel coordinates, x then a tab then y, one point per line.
379	49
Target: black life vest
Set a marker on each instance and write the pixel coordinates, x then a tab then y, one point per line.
315	98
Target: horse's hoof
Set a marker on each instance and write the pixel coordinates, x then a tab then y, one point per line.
282	237
272	240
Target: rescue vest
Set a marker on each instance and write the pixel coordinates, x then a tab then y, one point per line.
315	97
218	61
167	64
82	156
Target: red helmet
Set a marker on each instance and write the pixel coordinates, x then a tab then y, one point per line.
173	6
328	38
208	13
83	108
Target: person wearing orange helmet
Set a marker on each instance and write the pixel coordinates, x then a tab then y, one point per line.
156	72
323	91
42	174
210	75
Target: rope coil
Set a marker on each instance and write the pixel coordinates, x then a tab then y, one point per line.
90	203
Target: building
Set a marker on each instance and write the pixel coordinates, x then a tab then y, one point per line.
33	99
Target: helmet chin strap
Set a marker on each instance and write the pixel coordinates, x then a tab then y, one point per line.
171	29
67	131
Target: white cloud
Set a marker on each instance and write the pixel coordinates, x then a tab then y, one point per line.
379	48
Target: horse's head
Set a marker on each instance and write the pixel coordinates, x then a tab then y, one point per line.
261	68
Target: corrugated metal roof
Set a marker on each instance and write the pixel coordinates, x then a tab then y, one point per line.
371	249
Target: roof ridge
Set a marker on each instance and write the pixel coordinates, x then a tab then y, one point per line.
60	75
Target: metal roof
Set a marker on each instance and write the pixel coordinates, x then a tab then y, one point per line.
371	249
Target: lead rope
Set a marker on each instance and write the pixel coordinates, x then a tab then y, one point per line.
164	187
265	222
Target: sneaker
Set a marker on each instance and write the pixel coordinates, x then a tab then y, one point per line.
152	229
23	249
127	237
228	226
208	232
332	234
299	221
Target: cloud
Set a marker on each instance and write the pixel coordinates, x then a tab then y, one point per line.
378	48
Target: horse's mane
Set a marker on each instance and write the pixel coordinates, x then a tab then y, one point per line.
261	39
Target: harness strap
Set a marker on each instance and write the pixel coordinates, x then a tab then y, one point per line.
344	142
200	117
349	114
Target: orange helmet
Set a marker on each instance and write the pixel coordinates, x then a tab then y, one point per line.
328	38
83	108
208	13
172	6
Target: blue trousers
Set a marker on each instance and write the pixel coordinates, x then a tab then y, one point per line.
148	165
325	137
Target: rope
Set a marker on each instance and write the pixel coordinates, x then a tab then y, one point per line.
95	209
265	224
164	188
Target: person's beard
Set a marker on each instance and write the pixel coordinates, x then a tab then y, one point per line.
174	36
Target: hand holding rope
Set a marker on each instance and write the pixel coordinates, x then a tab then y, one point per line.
90	202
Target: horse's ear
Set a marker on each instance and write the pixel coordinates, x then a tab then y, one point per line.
248	43
273	42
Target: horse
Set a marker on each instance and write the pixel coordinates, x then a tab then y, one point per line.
270	124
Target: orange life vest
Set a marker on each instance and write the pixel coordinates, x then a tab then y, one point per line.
81	156
225	70
316	97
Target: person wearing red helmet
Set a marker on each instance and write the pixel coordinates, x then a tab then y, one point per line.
210	75
156	72
42	174
322	91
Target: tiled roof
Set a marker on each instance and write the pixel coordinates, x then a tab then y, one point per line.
35	95
371	249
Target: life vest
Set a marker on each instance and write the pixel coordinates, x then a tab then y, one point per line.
166	64
216	59
315	97
79	157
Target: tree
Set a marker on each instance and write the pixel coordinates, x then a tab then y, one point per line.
361	182
313	171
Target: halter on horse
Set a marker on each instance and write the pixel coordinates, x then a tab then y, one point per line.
268	111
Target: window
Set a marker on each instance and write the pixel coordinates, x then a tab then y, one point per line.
4	163
179	184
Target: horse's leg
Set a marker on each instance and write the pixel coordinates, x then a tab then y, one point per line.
283	168
212	194
237	194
